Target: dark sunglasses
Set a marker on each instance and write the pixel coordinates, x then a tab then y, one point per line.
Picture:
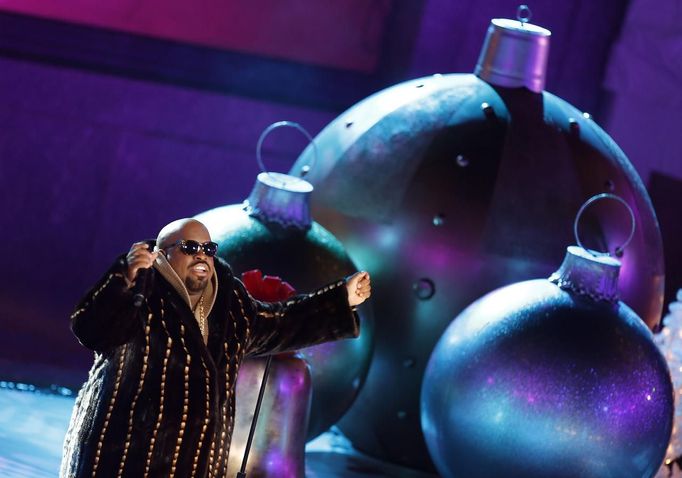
191	247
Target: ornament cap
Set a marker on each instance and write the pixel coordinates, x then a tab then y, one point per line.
584	273
281	199
514	54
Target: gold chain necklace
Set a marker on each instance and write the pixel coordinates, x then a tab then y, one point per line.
202	319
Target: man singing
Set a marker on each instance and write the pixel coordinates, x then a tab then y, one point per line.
159	399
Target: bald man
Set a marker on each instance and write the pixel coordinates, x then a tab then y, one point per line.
159	399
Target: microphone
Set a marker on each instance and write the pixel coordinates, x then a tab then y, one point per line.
142	282
140	288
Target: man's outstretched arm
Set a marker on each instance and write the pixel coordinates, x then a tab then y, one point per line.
325	314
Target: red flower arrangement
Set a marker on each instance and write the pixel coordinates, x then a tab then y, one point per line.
266	288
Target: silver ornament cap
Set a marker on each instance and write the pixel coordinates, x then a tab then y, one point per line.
515	53
583	273
281	199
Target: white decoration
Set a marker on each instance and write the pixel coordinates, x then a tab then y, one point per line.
669	341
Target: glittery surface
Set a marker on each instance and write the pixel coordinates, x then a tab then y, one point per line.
535	382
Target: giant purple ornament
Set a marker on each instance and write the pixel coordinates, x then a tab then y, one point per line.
449	186
549	378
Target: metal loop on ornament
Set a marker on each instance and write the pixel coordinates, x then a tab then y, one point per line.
523	14
280	124
593	199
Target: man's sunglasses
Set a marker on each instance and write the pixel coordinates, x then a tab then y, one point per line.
192	248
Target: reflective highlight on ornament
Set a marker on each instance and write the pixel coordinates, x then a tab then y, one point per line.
439	219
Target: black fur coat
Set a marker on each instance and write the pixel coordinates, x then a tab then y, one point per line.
158	401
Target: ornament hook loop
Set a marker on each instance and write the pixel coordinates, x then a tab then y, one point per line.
593	199
273	127
523	14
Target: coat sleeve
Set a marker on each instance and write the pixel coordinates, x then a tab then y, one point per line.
106	316
301	321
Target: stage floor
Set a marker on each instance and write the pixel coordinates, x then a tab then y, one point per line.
33	424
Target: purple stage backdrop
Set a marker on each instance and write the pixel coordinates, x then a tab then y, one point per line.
101	148
92	163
